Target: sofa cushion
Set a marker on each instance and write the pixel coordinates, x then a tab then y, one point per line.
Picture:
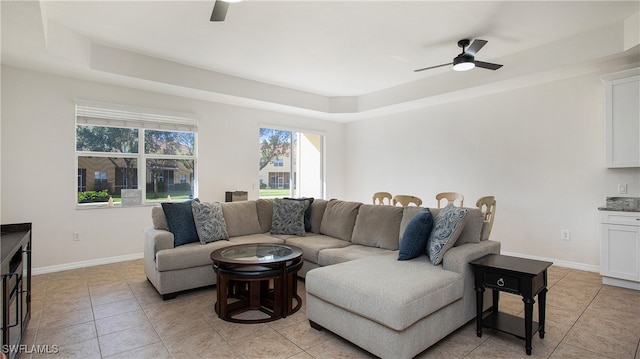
255	238
264	206
312	244
377	226
317	212
330	256
414	240
158	218
188	256
339	219
307	212
288	216
209	221
180	222
402	293
446	228
241	218
473	225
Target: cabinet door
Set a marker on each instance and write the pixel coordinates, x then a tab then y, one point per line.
620	252
623	122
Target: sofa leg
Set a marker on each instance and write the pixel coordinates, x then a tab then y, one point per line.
316	326
169	296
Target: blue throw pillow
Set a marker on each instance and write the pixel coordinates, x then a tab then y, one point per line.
414	239
180	221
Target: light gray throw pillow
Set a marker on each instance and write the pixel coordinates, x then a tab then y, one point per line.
209	221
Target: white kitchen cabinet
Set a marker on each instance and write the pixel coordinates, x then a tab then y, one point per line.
622	118
620	249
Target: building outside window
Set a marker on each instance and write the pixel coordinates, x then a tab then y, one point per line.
291	163
131	148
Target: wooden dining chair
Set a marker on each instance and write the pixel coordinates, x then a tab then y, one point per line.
451	197
487	205
379	198
406	200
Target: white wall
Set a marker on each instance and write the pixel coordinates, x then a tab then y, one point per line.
38	180
539	150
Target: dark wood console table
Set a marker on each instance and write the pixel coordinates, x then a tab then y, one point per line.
15	264
525	277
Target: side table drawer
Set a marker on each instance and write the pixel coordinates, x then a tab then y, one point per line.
502	282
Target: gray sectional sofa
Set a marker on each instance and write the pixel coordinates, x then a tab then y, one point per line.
356	286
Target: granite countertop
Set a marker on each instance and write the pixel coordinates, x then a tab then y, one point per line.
624	204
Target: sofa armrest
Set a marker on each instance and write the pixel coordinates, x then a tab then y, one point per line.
457	259
156	240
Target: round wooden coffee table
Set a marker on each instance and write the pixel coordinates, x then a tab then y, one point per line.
260	276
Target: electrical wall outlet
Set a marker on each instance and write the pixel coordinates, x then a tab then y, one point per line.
76	236
566	234
622	188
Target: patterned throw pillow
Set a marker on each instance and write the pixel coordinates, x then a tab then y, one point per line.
180	222
446	229
209	221
288	216
414	239
307	212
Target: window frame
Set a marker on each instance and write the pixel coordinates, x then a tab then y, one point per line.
323	161
92	113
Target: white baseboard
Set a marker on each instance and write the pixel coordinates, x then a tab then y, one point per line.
558	262
83	264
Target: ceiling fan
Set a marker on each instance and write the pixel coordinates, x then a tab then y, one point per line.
220	8
466	59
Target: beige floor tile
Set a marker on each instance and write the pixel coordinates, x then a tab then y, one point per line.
493	350
71	334
600	344
154	351
180	326
305	337
236	332
272	345
120	322
584	276
115	308
128	339
62	320
87	349
205	344
460	343
566	351
113	311
338	348
65	305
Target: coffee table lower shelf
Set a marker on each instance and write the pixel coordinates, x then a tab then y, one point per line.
507	323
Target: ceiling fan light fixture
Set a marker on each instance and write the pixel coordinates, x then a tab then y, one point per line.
463	63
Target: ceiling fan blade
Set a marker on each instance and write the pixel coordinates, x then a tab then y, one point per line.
219	10
475	47
487	65
432	67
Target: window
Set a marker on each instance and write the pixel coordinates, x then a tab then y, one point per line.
108	147
291	164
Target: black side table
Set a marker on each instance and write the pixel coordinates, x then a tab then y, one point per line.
525	277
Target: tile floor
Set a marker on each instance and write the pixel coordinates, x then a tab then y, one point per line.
111	311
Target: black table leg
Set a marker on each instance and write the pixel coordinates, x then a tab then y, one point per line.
528	322
479	299
542	304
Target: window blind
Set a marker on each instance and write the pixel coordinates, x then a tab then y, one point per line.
111	115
